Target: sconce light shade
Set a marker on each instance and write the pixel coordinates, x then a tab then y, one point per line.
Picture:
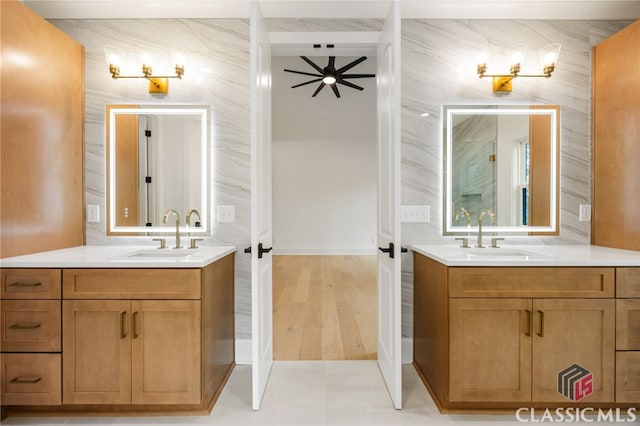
549	57
517	54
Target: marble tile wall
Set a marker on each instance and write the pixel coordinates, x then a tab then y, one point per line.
438	67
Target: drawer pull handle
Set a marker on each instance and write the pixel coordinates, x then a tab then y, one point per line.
24	326
26	380
123	317
19	284
135	326
541	332
529	324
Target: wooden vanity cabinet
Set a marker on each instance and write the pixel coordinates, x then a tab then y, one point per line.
137	336
498	337
30	325
628	335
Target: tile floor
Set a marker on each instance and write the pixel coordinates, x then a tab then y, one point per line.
343	393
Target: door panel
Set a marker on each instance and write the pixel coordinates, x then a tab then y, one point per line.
261	268
389	274
567	332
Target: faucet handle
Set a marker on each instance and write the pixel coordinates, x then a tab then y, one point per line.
494	242
193	244
163	242
465	242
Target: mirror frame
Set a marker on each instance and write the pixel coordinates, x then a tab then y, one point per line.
448	111
204	113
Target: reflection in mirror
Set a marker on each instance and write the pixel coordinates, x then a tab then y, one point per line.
158	160
504	159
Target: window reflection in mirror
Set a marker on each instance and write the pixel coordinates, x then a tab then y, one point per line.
503	159
157	160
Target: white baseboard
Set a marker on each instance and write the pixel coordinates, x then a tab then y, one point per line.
319	251
243	351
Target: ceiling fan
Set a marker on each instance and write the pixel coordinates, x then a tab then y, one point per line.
331	76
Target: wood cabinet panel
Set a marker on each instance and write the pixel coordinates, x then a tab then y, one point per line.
615	217
628	377
31	283
490	350
628	324
30	379
30	326
165	338
97	352
41	127
532	282
628	282
568	332
131	283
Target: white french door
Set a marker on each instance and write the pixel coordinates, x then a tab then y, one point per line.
389	266
261	231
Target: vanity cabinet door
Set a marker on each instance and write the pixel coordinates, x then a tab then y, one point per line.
165	352
97	352
567	332
490	350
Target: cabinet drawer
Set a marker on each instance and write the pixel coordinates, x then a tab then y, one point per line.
30	283
131	283
30	326
31	379
628	377
628	324
532	282
628	282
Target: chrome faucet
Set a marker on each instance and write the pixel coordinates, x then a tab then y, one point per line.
164	220
480	216
189	214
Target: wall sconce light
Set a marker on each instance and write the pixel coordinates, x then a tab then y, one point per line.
502	82
158	84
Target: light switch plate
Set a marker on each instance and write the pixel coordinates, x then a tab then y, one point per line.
415	214
585	213
226	214
93	213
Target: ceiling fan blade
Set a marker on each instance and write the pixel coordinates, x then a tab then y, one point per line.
349	84
303	73
350	65
332	62
318	89
308	82
358	75
334	87
317	68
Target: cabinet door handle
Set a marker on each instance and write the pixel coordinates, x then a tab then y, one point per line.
24	326
19	284
529	324
135	326
123	331
26	380
541	332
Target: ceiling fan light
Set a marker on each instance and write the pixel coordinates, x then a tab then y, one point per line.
329	79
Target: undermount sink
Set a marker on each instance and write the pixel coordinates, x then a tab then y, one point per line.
494	254
163	253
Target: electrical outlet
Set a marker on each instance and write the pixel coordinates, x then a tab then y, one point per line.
226	214
93	213
585	213
415	214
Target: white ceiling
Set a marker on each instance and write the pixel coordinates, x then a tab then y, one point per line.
426	9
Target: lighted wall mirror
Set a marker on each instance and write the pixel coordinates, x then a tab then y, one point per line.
504	159
158	158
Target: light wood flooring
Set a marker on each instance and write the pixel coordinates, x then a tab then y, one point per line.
324	307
